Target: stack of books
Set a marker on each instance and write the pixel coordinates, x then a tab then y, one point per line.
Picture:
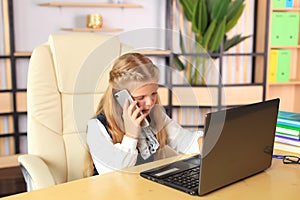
287	136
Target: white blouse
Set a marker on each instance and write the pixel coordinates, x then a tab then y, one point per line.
108	157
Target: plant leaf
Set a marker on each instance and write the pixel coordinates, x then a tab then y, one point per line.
199	39
208	34
232	22
204	17
219	10
196	21
233	8
217	36
209	5
181	43
199	21
188	6
178	63
228	43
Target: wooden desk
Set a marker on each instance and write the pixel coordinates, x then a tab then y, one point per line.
280	182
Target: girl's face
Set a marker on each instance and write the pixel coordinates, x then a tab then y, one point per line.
146	96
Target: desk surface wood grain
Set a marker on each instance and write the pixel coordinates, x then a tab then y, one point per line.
280	181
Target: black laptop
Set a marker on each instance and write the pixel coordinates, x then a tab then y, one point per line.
238	143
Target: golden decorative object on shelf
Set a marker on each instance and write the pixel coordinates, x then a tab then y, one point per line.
94	21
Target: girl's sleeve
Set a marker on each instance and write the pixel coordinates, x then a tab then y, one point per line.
182	140
106	155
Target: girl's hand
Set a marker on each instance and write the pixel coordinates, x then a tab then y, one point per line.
132	119
134	113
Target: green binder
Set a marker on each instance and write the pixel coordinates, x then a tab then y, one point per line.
285	29
278	29
278	3
283	65
291	28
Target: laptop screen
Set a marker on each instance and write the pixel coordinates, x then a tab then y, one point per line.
238	143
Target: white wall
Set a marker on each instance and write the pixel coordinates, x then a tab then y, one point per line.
33	23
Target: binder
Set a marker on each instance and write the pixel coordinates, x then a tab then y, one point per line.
289	3
278	31
272	65
291	28
283	65
278	3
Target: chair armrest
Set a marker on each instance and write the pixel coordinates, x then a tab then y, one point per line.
35	171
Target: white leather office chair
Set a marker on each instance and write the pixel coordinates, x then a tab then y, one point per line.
63	90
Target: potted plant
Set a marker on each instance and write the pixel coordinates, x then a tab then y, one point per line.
211	21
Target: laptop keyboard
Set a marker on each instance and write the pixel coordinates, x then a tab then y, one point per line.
188	179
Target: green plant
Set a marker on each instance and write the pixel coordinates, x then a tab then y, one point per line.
211	21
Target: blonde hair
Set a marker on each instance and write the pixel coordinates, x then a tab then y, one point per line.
128	68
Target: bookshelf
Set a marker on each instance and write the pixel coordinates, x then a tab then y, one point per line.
288	91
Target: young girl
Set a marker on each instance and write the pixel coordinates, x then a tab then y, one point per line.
116	138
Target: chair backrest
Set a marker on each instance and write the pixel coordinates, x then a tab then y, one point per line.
66	77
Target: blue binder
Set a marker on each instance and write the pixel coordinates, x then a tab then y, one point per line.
289	3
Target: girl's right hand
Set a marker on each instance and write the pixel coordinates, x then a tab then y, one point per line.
132	119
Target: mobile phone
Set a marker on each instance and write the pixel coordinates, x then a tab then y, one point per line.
122	96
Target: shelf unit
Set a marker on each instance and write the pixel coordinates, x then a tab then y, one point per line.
288	92
91	5
104	5
92	29
22	54
13	98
